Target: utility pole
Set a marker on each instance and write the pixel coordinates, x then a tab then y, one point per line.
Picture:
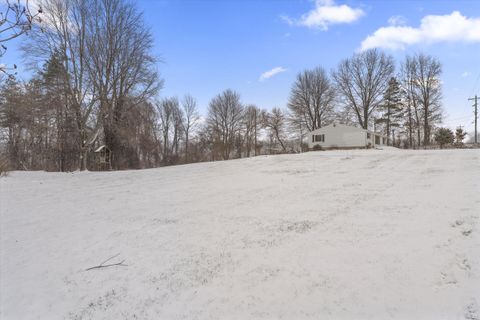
255	127
476	116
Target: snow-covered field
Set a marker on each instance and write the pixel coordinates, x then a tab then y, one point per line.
377	234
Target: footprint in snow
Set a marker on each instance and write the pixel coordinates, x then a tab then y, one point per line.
471	311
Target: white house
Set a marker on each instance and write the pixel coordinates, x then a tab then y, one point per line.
342	136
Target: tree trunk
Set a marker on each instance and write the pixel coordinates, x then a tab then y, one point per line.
426	129
388	124
280	141
186	146
365	118
255	128
410	127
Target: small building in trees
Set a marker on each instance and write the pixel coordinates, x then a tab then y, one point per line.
343	136
103	158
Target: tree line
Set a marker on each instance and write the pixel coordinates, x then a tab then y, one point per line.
96	83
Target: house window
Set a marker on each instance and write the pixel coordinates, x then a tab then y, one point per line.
377	140
368	135
318	138
384	141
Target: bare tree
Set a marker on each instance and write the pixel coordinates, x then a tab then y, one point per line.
65	36
203	148
224	117
119	62
169	116
252	122
16	18
311	98
178	121
361	80
429	88
408	75
191	118
298	128
104	47
422	90
276	122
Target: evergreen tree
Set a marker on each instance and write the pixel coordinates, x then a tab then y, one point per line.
391	108
460	135
12	119
444	136
53	78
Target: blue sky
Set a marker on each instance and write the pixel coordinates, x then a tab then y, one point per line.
211	45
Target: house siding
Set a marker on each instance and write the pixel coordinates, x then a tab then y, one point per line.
342	136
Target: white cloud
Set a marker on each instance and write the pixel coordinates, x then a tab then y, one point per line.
453	27
466	74
326	13
287	19
270	73
397	21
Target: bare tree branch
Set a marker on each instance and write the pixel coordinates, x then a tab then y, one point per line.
311	98
362	80
103	265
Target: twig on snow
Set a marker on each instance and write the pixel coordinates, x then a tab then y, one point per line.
103	265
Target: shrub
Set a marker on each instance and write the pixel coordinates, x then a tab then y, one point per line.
4	165
304	146
444	136
317	147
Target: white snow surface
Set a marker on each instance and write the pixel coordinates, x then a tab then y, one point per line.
366	234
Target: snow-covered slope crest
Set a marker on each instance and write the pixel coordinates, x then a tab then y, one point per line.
378	234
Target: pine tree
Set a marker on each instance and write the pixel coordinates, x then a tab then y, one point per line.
391	108
53	77
444	136
460	135
12	119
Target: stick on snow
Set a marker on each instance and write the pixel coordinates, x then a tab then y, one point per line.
103	265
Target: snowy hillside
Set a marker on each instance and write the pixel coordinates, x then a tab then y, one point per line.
380	234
